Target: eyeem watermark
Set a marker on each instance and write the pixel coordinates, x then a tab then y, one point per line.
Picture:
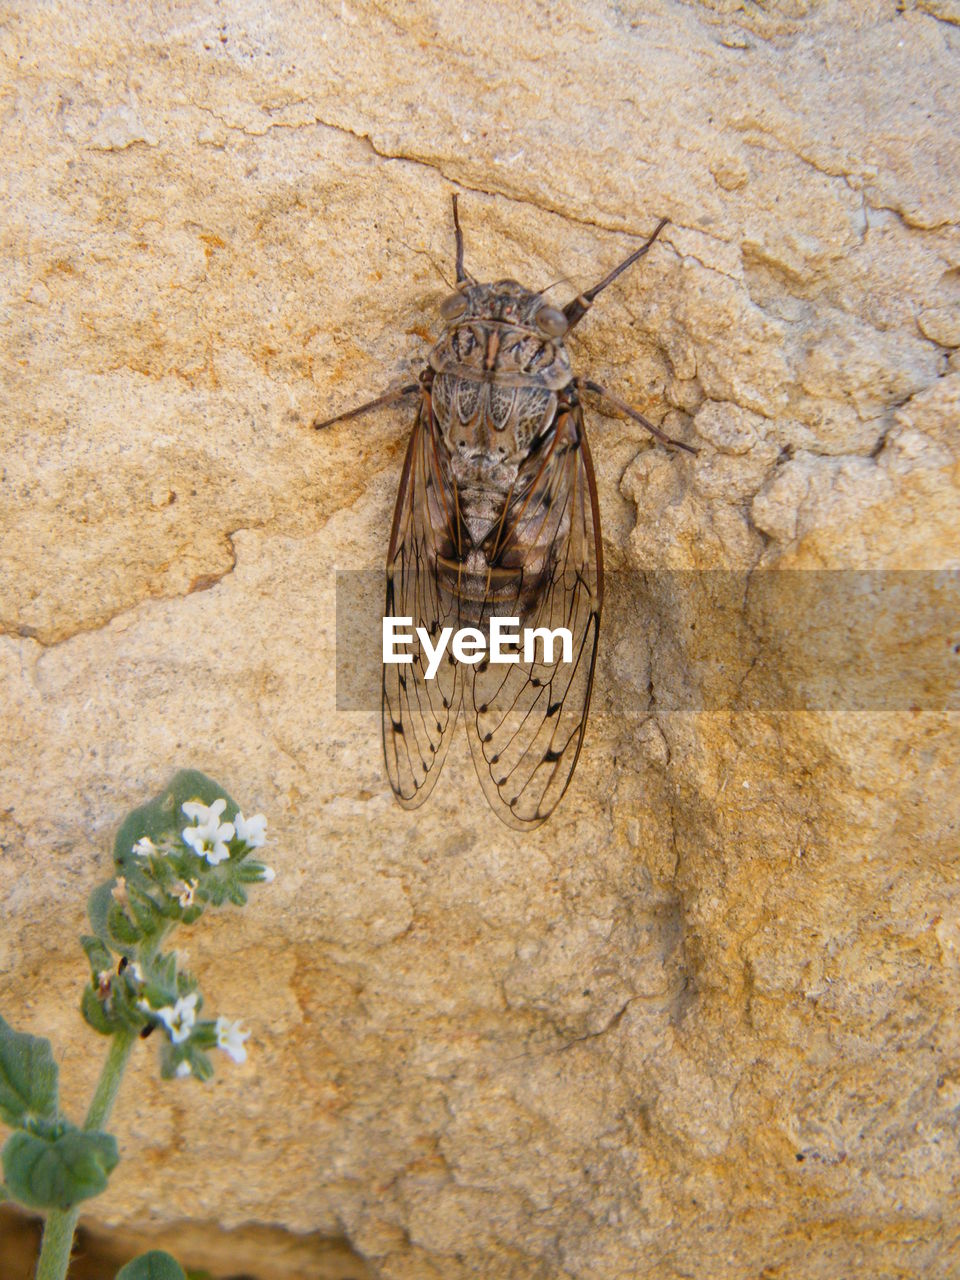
772	640
470	644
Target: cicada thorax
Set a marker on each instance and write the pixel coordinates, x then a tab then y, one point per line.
497	385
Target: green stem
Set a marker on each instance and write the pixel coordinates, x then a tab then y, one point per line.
57	1242
105	1093
61	1223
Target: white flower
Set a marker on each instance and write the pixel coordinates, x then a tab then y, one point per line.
144	847
209	838
269	875
180	1018
204	813
252	831
184	1069
186	892
230	1039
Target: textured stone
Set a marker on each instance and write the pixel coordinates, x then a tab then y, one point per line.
704	1021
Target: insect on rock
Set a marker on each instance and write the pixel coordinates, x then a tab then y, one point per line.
497	516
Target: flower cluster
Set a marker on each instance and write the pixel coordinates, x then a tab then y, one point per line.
180	863
183	853
176	858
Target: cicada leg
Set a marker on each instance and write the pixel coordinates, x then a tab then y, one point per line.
389	397
585	384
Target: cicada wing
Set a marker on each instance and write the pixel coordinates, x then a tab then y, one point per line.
526	719
419	714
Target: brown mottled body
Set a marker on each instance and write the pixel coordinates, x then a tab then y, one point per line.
497	515
494	394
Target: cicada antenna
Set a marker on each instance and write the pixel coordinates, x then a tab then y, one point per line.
462	276
553	283
578	308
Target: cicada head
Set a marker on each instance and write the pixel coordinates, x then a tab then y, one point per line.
503	332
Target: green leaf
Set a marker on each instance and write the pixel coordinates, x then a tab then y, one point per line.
252	872
165	970
190	784
110	922
58	1171
172	1055
95	1014
163	815
238	895
215	888
154	1265
98	909
28	1077
145	912
123	934
100	957
128	1012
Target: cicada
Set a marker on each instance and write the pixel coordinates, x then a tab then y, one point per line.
497	517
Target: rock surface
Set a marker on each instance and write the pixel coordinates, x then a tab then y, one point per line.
704	1021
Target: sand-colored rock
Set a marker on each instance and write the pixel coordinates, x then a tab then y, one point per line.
704	1022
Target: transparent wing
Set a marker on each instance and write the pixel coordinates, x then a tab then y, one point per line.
526	720
419	714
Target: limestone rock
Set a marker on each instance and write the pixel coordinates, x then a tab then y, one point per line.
704	1021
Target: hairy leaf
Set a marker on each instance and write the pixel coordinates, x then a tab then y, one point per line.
155	1265
28	1076
56	1172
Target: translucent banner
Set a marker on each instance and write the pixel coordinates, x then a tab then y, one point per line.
816	640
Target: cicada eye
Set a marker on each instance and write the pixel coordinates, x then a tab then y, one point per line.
551	321
453	306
